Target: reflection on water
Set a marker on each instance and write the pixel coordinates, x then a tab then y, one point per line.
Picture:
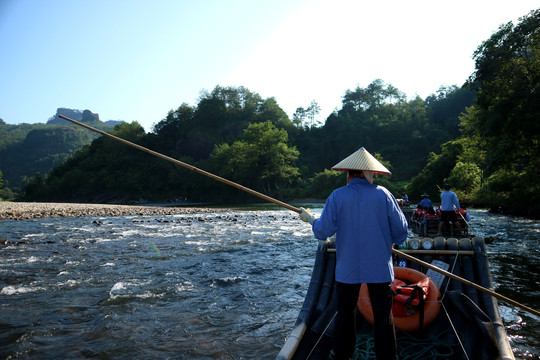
223	285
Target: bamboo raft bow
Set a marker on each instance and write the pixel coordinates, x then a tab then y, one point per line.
297	210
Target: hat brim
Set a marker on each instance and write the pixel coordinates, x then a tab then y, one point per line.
361	160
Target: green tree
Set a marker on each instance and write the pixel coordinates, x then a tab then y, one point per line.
35	189
5	191
373	96
169	130
260	159
307	118
465	177
299	117
445	107
437	169
505	114
322	185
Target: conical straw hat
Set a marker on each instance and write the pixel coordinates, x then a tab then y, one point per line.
361	160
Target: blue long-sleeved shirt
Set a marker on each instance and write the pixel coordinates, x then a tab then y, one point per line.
366	220
426	203
448	200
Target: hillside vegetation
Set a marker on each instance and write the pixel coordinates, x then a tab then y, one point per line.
28	149
235	133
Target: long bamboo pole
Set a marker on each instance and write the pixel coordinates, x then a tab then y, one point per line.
297	210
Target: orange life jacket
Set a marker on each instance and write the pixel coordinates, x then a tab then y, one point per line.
408	296
414	316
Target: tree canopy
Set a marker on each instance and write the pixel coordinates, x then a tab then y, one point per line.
260	159
503	126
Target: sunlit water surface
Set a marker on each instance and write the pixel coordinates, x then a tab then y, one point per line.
225	285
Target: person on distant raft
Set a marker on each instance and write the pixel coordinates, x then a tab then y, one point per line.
406	199
449	204
430	216
419	213
367	220
425	203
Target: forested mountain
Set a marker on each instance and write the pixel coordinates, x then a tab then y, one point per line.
236	134
30	148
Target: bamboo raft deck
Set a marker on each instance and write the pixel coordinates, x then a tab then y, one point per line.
469	325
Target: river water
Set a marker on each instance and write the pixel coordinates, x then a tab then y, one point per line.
224	285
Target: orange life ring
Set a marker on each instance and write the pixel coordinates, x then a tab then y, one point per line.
432	305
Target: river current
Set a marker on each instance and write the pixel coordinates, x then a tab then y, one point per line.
223	285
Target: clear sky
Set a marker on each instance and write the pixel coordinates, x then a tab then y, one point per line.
137	59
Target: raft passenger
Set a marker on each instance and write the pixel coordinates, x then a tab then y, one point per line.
367	220
449	202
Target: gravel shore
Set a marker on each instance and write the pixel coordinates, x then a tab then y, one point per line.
22	210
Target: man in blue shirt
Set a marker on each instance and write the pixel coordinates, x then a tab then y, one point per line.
449	205
425	203
406	199
367	220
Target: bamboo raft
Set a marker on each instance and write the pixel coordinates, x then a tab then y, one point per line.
468	326
430	227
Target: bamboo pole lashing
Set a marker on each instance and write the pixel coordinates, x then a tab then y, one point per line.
430	252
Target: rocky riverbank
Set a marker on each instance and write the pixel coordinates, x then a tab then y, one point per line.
22	210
